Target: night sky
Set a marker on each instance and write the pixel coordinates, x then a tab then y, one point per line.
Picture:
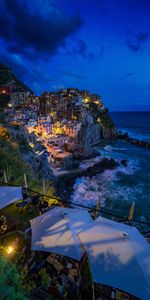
99	45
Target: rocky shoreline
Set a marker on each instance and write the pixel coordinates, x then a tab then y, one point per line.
133	141
65	178
65	182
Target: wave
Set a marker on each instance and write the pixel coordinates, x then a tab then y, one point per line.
108	148
106	186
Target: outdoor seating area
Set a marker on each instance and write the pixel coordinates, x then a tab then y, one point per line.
46	273
63	273
63	253
31	202
7	224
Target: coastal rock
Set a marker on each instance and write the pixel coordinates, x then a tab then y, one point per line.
66	182
72	147
69	163
40	165
109	163
90	135
124	162
87	153
108	133
105	164
133	141
93	134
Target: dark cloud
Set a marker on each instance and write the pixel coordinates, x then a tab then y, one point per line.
28	32
79	47
14	61
135	42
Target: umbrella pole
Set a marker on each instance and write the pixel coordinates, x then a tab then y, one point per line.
5	177
97	208
93	290
44	188
131	213
25	181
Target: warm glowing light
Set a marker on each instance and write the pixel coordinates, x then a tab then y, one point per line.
9	249
4	92
10	104
86	100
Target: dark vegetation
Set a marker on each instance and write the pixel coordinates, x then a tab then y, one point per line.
7	77
101	117
11	153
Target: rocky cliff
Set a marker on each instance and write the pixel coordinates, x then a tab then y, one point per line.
108	133
92	132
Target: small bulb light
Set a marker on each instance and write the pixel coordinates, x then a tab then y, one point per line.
9	249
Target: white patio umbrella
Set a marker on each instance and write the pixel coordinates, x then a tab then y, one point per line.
56	231
119	256
9	195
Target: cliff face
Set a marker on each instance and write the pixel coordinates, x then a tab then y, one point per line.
92	133
108	133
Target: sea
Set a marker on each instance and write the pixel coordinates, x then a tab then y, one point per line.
118	189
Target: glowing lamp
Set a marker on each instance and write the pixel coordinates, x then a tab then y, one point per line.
9	249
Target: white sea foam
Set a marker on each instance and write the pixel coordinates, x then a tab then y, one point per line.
87	191
108	148
89	162
132	167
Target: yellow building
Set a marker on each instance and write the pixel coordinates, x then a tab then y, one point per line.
57	128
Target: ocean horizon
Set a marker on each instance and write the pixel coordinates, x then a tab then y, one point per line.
136	123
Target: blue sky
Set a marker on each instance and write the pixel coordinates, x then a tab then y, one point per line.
99	45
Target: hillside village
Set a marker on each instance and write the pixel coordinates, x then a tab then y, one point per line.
51	139
66	123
